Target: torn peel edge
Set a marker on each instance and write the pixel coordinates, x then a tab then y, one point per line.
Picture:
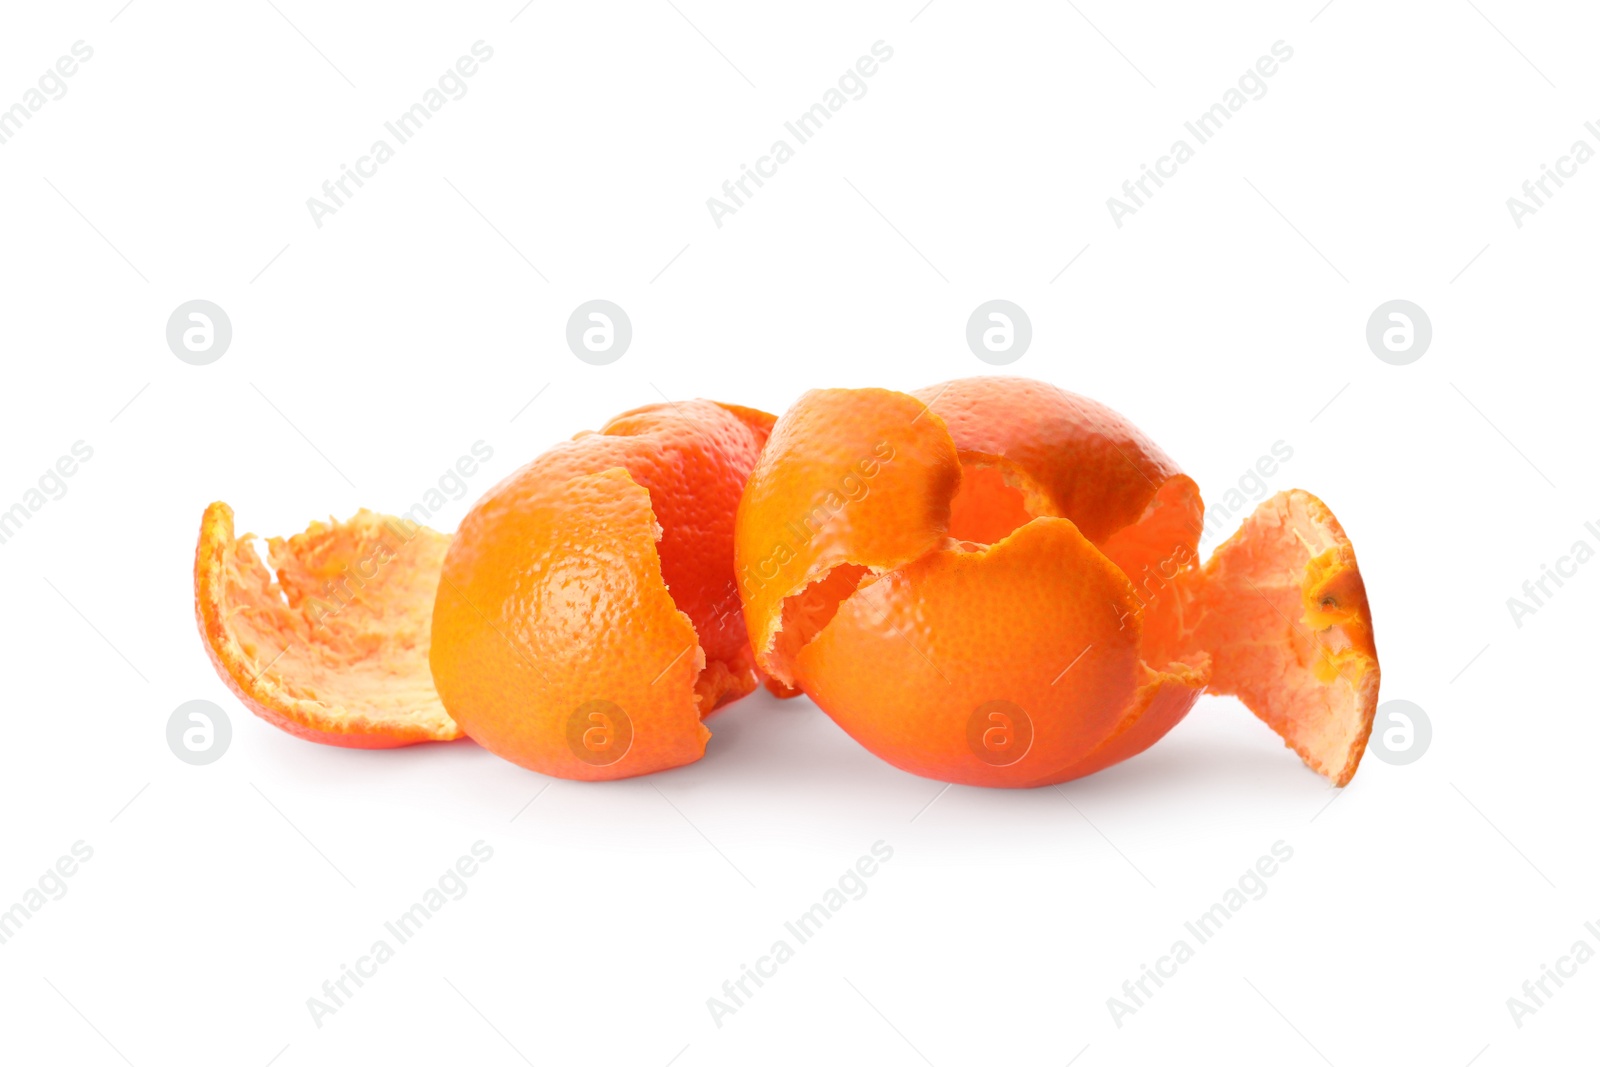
1162	697
994	499
805	613
997	497
563	607
1162	701
1161	546
717	684
1168	531
714	683
807	610
1305	661
238	601
859	477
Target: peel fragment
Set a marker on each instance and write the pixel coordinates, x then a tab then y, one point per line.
1075	457
331	643
856	477
1282	612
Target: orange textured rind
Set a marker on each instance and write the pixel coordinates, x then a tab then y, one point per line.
849	477
586	618
332	643
1039	624
961	585
1079	459
600	575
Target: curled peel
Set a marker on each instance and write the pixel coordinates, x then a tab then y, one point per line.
1066	455
1282	612
331	644
851	480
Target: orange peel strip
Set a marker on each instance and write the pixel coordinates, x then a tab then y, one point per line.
331	644
1038	628
862	477
1075	457
1282	611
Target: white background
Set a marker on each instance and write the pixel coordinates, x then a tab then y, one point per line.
1226	315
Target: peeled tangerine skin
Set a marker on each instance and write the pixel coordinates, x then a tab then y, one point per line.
1082	631
331	644
1282	611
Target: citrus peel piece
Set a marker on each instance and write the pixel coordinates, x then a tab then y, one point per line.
587	618
1281	610
331	642
850	478
1073	456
